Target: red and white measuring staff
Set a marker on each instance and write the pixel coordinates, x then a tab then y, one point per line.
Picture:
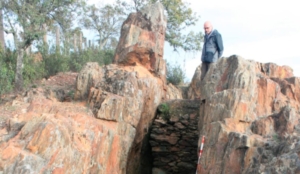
200	152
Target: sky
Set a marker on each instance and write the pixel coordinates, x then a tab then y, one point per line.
260	30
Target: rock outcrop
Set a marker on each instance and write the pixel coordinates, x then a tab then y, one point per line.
249	114
121	121
104	131
128	92
142	40
174	92
43	135
125	98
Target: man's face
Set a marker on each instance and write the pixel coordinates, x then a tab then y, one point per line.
207	28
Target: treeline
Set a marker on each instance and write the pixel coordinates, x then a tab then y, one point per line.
30	22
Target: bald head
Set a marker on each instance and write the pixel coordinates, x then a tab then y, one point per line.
207	27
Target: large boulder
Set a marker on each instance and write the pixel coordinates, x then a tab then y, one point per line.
174	92
142	40
40	134
249	114
125	97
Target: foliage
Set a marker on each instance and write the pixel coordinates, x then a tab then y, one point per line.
175	74
276	137
55	62
179	16
107	21
71	94
2	41
79	59
33	70
48	65
6	71
164	111
25	20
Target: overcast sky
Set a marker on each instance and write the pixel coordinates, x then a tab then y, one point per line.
260	30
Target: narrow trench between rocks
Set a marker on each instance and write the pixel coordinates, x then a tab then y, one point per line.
171	145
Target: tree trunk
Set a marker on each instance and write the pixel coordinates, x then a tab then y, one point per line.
74	40
102	44
19	64
45	35
57	40
19	71
28	50
67	45
2	40
84	41
45	39
80	41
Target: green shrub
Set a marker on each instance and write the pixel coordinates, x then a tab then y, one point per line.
79	59
7	71
55	63
71	94
51	63
276	137
33	70
175	74
164	111
6	79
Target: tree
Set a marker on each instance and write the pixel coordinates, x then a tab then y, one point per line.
179	17
175	74
57	39
2	41
107	21
26	19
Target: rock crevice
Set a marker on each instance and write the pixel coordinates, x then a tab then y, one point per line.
173	137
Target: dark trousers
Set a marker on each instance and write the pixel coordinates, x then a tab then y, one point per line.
204	69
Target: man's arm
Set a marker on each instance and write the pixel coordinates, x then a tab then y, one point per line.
203	50
220	44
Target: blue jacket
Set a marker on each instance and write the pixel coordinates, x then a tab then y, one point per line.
212	48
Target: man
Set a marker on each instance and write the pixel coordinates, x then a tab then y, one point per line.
212	48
